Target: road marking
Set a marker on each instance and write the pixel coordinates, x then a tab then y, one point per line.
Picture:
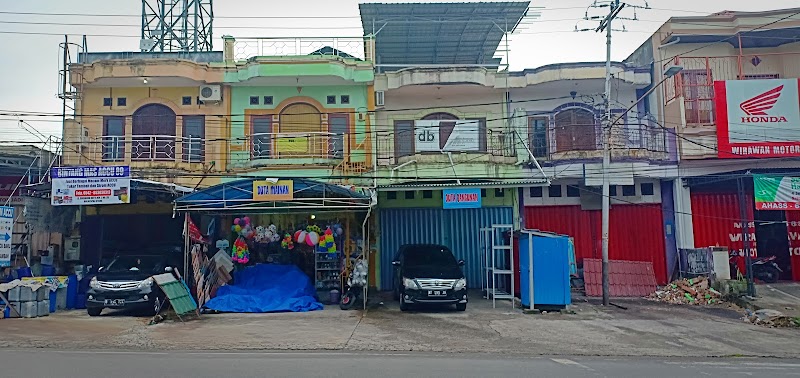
784	293
568	362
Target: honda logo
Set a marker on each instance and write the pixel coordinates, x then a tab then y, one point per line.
757	106
117	286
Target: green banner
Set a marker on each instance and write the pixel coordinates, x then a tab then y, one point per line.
777	192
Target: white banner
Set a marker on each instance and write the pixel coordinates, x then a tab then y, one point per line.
6	234
448	136
91	185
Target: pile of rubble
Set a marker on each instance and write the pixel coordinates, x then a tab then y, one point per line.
770	318
696	291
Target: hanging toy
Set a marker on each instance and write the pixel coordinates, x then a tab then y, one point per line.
287	242
312	238
260	234
276	237
240	253
314	228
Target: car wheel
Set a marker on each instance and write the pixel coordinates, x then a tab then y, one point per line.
461	306
403	305
94	311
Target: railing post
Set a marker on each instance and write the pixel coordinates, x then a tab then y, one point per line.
229	49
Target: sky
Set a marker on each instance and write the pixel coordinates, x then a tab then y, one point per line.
29	42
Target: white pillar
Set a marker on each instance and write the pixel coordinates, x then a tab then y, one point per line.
684	231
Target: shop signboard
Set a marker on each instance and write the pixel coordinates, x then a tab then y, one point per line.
286	144
757	118
461	198
104	185
777	192
280	190
8	190
6	234
448	136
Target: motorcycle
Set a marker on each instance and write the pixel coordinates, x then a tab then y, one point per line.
764	268
356	281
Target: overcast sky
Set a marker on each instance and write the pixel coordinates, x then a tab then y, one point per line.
29	43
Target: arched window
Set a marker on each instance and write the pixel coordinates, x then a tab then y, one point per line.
153	133
440	117
301	132
575	130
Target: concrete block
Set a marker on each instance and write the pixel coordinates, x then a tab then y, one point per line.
43	293
43	308
13	294
11	313
26	294
28	309
61	299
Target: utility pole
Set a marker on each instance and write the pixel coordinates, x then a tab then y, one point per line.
614	9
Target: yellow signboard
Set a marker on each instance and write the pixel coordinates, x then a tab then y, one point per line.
292	145
268	191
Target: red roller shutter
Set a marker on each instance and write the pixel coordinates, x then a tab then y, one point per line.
636	232
717	222
793	227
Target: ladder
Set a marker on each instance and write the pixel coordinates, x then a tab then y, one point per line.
498	263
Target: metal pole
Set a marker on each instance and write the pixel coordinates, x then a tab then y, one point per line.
751	289
607	156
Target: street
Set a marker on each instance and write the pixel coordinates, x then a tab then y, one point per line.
89	364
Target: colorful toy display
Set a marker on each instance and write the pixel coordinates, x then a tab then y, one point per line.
287	242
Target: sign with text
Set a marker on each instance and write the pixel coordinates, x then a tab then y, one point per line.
777	192
461	198
109	185
9	192
448	136
273	191
757	118
6	234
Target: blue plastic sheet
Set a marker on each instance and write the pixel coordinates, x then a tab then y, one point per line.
267	288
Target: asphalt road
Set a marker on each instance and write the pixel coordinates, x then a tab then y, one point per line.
90	364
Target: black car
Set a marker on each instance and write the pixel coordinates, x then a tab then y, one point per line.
126	283
428	274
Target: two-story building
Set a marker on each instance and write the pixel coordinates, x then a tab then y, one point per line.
560	111
734	110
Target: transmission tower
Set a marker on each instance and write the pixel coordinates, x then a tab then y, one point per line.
177	25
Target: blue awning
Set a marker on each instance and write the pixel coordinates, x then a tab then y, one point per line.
306	195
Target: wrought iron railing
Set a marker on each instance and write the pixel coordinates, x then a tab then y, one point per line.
297	145
135	148
345	47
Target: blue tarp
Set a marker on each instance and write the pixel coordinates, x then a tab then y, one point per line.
267	288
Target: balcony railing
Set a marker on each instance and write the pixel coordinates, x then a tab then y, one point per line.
149	148
346	47
318	145
695	83
389	151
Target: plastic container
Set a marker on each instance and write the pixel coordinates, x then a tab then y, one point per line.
80	301
48	270
72	291
43	308
26	294
25	271
43	293
13	294
28	309
61	298
53	300
334	296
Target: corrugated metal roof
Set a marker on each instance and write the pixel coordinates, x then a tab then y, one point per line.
440	33
483	184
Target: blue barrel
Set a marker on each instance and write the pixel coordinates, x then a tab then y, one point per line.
53	301
48	270
72	291
25	271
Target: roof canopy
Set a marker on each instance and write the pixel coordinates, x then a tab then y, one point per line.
440	33
301	194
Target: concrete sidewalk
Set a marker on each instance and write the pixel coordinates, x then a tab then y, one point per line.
643	329
783	297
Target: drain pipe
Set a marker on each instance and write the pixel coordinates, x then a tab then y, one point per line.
391	177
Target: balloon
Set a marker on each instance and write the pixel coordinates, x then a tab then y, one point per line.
247	220
297	236
236	221
237	228
339	231
303	236
312	239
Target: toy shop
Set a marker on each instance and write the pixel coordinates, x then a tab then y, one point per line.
261	245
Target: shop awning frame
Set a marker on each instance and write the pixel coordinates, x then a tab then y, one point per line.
309	195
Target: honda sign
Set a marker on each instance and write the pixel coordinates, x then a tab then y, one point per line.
757	118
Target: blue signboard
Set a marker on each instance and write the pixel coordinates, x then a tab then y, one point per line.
6	232
461	198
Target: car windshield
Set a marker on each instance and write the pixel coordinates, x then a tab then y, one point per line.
430	255
134	263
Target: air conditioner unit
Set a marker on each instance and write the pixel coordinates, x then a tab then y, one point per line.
380	98
210	93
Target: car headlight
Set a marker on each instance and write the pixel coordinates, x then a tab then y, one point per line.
146	283
460	284
94	283
409	283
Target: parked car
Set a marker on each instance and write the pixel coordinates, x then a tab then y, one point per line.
126	283
429	274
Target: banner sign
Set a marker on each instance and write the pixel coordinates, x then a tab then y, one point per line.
461	198
90	185
777	192
281	190
9	193
448	136
6	234
757	118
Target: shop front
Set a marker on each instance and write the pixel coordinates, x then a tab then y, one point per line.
452	217
293	242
